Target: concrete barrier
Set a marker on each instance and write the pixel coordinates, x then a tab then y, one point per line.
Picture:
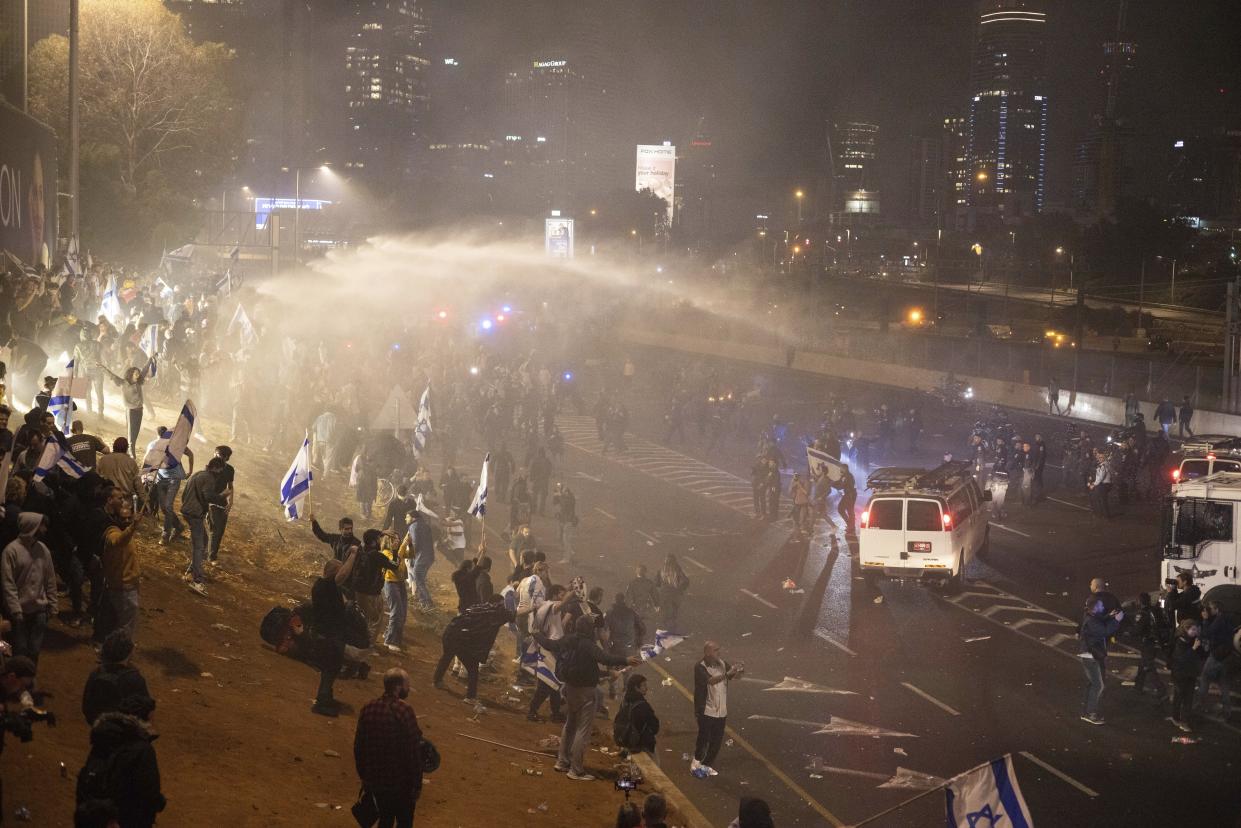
1094	408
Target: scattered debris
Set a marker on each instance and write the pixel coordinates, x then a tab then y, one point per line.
900	751
550	742
788	584
746	635
205	675
667	682
728	743
1185	740
532	772
816	776
978	638
224	627
878	599
331	753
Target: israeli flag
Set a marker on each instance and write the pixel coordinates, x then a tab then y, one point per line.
541	664
664	641
60	404
422	429
150	346
165	452
296	483
73	262
110	306
478	507
987	795
241	322
56	454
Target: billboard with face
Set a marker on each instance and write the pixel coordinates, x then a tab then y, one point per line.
558	237
27	187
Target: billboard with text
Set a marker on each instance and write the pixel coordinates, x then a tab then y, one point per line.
657	172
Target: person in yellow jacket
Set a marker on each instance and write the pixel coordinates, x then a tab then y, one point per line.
121	571
396	589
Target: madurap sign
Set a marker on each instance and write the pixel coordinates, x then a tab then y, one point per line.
27	187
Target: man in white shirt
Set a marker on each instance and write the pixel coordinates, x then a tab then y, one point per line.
531	593
1101	486
711	677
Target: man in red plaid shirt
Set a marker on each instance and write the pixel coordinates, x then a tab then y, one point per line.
386	752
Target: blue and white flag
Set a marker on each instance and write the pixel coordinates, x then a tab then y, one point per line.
165	452
56	454
150	346
245	328
184	254
296	483
541	664
664	641
987	795
73	262
110	306
422	430
60	404
478	507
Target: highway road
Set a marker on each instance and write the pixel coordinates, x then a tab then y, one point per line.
853	695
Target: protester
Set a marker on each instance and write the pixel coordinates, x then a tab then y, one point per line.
84	447
482	579
711	677
387	753
340	542
469	638
201	493
625	631
114	680
1097	627
1148	621
1217	637
654	811
132	394
1185	664
29	582
629	816
168	480
579	656
217	513
753	813
329	629
673	583
120	469
565	503
395	591
465	581
643	597
121	569
122	767
370	570
636	725
419	538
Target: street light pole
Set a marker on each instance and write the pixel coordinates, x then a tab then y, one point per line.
1172	292
26	56
74	46
297	215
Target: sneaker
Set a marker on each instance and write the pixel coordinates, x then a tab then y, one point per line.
580	777
694	765
1094	720
700	773
329	709
710	770
469	700
533	717
1129	684
394	648
195	586
559	768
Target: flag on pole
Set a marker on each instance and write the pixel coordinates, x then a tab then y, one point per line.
241	322
821	460
234	255
111	304
478	507
422	429
73	262
165	452
60	404
90	261
987	793
150	346
296	483
56	454
664	641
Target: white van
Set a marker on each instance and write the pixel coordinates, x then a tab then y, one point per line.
1199	530
924	524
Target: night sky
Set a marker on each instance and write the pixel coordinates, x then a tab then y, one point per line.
768	75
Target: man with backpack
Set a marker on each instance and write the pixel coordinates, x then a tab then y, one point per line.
122	767
114	680
201	493
387	752
636	725
469	637
367	581
1149	628
578	657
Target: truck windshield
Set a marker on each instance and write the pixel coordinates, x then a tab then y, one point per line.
1201	521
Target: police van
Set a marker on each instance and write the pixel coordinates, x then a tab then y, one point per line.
924	524
1199	530
1204	455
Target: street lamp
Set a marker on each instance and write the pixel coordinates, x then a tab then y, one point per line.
982	273
799	195
1172	291
297	206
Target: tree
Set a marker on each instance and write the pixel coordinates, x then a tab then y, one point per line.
158	123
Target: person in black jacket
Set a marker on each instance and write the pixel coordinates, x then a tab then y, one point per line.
1097	627
465	581
114	680
122	768
1147	623
328	614
1181	600
342	541
1185	664
469	637
1217	630
482	579
636	724
578	657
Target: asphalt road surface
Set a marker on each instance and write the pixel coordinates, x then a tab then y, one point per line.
895	682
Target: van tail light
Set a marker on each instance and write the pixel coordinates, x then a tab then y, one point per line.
1176	475
865	518
947	518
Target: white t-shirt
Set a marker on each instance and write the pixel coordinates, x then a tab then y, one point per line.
717	694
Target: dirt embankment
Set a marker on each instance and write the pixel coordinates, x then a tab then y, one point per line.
237	743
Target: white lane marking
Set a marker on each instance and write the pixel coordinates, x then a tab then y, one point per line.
702	566
1055	772
650	538
1067	503
919	692
760	599
1010	529
586	476
607	515
833	642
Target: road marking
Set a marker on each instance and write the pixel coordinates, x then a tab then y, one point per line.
1010	529
702	566
918	692
833	642
586	476
745	745
760	599
651	539
796	685
607	515
1067	503
1054	772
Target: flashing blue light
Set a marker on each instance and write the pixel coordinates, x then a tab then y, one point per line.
396	346
506	309
486	324
568	376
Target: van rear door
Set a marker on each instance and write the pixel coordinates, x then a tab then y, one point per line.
926	539
882	536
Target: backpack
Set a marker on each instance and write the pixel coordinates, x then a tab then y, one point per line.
275	625
368	573
93	779
623	732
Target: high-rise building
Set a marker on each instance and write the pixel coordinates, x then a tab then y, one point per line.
696	186
1101	164
385	90
47	17
926	181
1006	148
856	176
955	192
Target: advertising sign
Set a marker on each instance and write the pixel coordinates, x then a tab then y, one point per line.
558	237
656	171
264	207
27	187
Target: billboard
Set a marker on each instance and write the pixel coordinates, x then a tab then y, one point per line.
558	237
27	187
657	171
264	207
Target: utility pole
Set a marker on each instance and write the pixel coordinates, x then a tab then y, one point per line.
74	126
26	56
1232	349
1141	292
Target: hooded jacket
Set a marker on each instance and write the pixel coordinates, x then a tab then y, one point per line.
122	767
472	633
26	570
